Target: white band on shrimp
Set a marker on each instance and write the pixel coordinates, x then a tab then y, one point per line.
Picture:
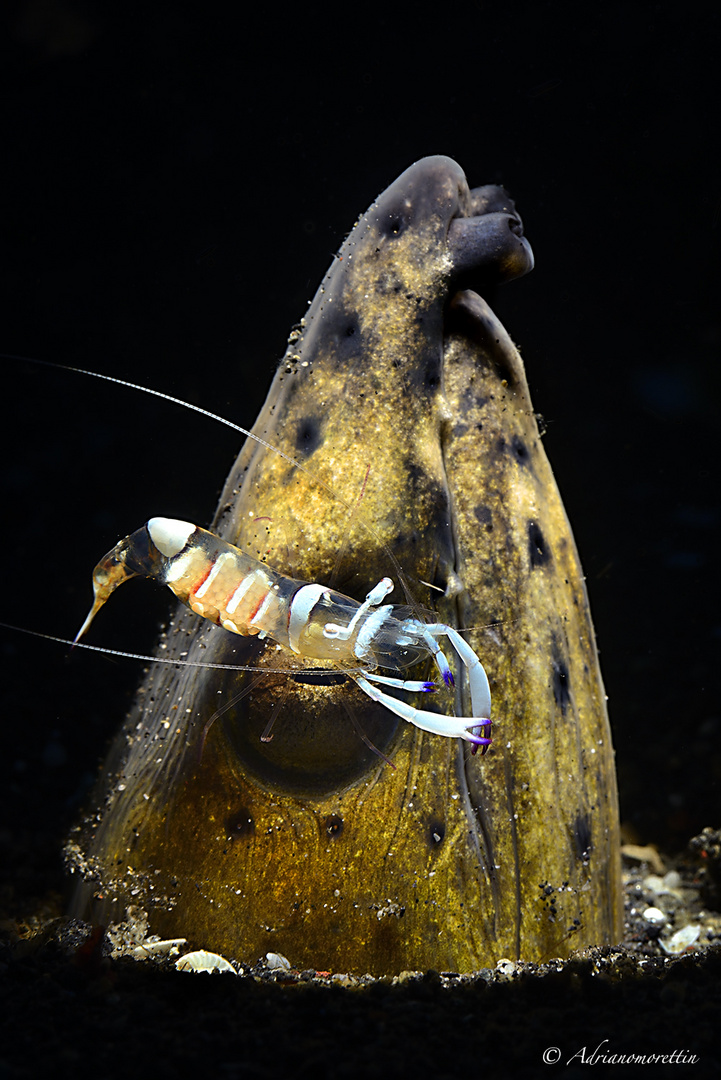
301	606
170	535
369	629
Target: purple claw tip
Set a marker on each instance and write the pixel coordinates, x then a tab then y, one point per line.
482	743
429	687
448	678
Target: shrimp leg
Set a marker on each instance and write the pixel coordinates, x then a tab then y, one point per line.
477	678
459	727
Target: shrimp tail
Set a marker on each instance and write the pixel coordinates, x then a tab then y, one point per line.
131	557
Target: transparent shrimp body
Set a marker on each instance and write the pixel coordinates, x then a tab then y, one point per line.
221	583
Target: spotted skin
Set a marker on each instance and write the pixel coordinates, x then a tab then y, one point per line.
310	837
554	777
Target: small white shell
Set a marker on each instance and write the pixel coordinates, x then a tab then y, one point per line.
277	962
152	947
203	961
506	968
681	940
669	885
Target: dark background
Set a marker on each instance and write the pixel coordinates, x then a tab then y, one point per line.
174	188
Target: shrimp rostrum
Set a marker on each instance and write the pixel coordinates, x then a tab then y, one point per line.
245	596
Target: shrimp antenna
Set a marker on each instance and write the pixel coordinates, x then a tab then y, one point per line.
130	655
162	659
233	427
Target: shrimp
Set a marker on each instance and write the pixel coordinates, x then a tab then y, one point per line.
219	582
296	614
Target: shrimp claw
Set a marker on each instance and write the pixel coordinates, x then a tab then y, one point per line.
468	728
